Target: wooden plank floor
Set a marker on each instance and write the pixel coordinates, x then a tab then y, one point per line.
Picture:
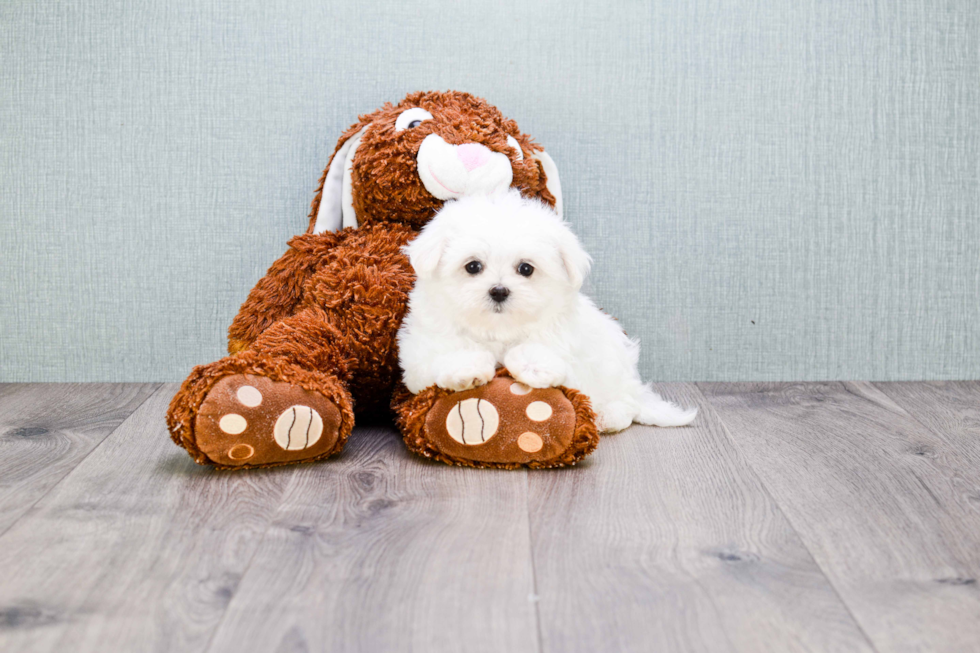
789	517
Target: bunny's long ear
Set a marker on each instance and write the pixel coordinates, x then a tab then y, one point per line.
552	182
335	209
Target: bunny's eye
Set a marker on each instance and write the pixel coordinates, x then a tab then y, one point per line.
474	267
411	118
525	269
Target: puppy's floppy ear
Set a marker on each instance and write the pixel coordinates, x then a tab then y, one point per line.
573	257
426	250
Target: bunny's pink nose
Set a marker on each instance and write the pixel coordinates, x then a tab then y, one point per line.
473	155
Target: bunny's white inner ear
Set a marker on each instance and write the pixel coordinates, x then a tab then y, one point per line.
553	183
336	201
350	218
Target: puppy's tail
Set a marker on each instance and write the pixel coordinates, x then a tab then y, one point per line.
657	411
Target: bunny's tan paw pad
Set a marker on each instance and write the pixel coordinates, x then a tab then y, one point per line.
249	420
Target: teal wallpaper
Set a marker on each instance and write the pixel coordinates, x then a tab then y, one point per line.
772	189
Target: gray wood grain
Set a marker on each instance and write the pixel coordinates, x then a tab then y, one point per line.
138	549
950	409
666	540
670	539
884	518
46	429
383	551
7	388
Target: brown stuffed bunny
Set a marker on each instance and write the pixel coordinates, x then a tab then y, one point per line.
317	335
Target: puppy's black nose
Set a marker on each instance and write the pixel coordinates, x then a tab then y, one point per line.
499	293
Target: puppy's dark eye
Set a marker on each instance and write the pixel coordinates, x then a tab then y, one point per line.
414	123
474	267
525	269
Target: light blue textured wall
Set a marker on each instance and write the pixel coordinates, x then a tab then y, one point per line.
772	189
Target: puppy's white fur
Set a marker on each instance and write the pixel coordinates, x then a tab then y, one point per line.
545	332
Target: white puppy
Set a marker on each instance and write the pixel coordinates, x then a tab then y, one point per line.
498	284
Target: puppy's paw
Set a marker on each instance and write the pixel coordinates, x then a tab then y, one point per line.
536	366
465	370
613	417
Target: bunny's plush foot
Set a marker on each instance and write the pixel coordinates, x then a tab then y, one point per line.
239	418
501	424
